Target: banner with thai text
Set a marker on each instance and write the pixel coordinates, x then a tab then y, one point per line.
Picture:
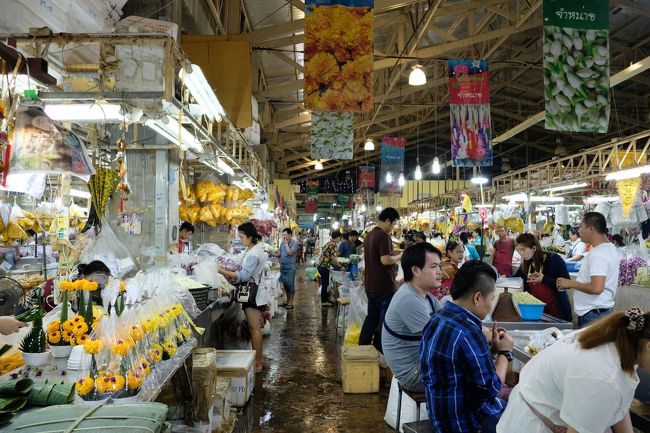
311	193
576	65
332	135
392	161
469	106
339	55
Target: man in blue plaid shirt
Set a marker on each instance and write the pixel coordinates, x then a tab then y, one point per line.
461	378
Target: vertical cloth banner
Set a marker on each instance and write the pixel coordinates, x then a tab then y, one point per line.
576	65
339	55
311	192
332	135
366	177
392	160
469	106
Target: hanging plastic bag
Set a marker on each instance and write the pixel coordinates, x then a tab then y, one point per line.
108	249
357	315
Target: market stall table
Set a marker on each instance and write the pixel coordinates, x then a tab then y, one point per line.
178	366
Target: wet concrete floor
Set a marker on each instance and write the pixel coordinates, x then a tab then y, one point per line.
301	382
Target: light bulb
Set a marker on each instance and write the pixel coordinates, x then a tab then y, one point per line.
363	208
401	181
479	180
370	145
319	165
389	177
378	208
417	76
418	172
435	168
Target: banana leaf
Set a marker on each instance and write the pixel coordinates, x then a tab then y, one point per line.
18	387
5	349
127	418
51	394
12	404
5	417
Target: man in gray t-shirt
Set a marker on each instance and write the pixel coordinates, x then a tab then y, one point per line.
408	313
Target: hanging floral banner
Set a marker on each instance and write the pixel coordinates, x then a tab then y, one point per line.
366	177
392	161
339	55
469	105
311	192
576	65
627	190
332	135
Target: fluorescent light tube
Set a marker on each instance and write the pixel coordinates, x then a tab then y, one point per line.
84	112
203	93
479	180
221	165
533	198
628	173
566	187
168	128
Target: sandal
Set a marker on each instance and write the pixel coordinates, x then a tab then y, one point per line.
288	307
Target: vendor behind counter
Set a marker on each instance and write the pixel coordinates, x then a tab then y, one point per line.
185	238
96	271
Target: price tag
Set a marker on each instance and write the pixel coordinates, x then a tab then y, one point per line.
5	265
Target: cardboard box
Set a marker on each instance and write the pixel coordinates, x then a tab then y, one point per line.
360	369
221	407
239	367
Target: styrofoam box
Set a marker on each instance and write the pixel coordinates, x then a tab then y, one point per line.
239	366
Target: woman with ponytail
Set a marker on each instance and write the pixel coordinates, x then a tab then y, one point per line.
585	382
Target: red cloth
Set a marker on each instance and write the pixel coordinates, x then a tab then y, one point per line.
503	251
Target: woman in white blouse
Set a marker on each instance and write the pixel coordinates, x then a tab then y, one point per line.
253	263
577	248
585	382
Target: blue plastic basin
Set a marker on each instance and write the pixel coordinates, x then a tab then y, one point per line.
531	311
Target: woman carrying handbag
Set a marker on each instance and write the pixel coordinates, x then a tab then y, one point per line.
253	263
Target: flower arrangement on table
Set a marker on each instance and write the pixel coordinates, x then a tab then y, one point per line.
628	268
124	350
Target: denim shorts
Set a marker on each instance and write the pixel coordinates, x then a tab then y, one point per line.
288	279
593	315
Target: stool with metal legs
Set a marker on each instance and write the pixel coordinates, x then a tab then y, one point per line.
342	303
418	398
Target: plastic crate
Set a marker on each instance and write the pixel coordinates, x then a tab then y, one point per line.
201	297
531	311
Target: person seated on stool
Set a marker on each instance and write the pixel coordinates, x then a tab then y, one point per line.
408	313
461	379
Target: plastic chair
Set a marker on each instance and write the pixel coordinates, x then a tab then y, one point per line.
418	398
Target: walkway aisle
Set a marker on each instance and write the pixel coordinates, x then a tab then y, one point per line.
301	384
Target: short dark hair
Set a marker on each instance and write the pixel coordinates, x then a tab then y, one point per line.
354	233
389	214
420	235
93	267
472	278
346	236
464	237
574	231
335	234
596	220
416	255
451	245
188	227
249	229
288	231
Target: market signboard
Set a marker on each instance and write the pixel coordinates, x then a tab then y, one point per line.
366	177
332	135
469	106
339	55
576	65
392	160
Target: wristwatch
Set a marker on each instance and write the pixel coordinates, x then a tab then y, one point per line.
507	354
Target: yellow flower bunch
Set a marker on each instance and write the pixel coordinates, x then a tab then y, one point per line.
93	346
185	331
69	337
135	380
170	347
80	329
148	326
68	325
54	326
109	383
155	353
122	347
178	310
66	286
136	332
54	337
122	286
98	313
84	386
81	339
143	367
